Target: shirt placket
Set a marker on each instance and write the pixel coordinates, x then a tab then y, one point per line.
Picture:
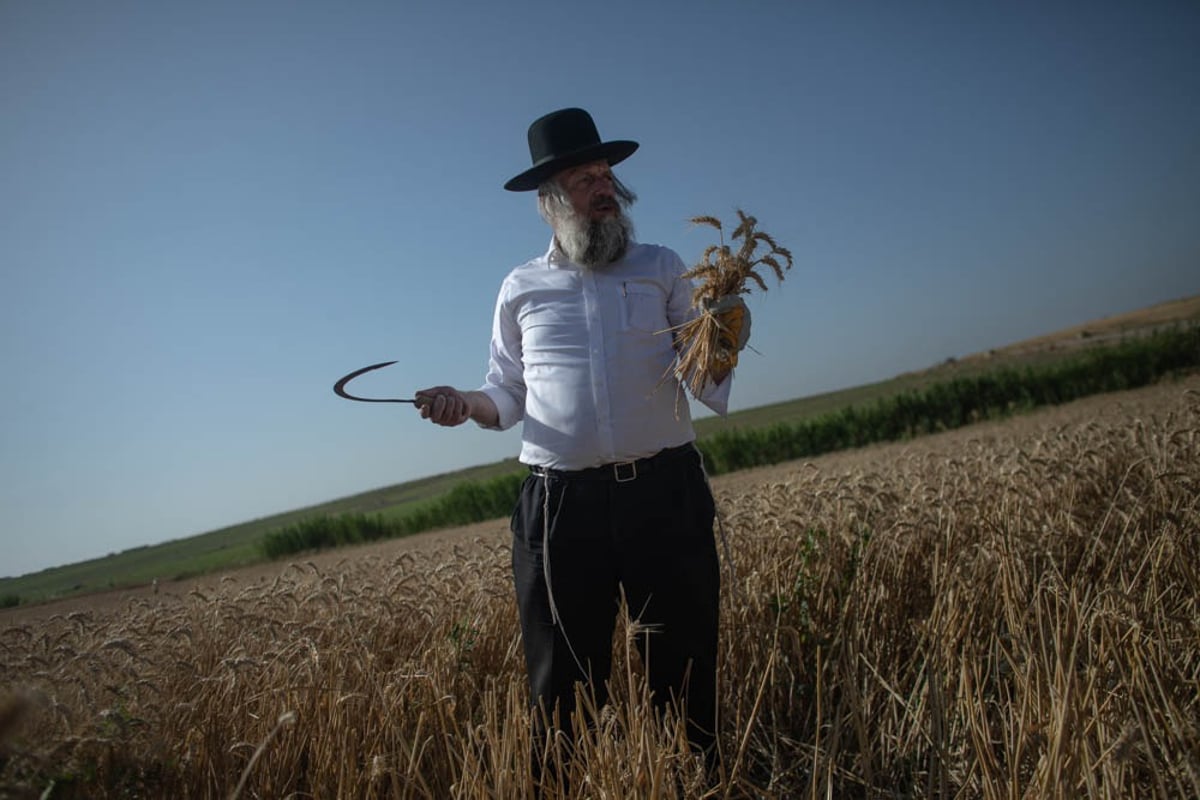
598	357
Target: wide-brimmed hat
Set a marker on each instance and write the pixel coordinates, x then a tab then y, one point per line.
566	138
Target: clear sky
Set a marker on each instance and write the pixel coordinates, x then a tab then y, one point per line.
211	211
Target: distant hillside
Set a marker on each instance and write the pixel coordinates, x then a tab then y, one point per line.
1101	331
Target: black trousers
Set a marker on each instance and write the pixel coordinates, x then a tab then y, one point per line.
651	536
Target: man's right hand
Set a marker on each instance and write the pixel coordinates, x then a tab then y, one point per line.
443	405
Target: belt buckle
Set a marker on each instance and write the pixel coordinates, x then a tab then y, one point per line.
629	475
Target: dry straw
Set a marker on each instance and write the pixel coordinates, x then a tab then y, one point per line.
723	272
1001	612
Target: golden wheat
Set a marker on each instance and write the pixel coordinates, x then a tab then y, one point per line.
722	272
1009	611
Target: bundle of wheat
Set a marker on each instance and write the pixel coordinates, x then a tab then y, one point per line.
722	272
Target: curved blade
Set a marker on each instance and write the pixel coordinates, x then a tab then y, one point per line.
339	388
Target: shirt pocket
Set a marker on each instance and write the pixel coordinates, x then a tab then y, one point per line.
644	307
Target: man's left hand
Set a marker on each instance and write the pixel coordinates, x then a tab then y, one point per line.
733	319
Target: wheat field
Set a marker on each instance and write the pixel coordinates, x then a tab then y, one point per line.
1007	611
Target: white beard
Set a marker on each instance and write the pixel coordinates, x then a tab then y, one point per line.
593	244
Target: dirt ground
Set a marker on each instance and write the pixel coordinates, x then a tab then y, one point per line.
1151	401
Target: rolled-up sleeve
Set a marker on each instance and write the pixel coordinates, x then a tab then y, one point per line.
716	395
505	380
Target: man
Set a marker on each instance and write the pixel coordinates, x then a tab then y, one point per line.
616	500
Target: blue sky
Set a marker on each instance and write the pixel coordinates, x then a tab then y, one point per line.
211	211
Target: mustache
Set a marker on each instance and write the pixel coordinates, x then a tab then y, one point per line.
602	202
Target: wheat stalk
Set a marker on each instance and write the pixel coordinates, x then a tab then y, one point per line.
1004	612
723	272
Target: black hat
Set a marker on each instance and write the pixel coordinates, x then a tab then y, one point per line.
562	139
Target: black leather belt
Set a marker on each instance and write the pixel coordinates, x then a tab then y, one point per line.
622	471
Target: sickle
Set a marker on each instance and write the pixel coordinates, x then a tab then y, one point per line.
340	387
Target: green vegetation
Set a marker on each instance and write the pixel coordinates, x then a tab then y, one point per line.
138	566
467	502
949	396
230	547
957	402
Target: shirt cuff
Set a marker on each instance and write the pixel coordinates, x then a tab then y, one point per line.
507	409
716	395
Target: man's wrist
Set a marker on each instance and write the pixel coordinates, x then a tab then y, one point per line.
481	408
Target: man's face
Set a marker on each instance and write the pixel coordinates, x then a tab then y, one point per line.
587	211
590	188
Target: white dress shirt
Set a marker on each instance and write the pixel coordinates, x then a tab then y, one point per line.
585	357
